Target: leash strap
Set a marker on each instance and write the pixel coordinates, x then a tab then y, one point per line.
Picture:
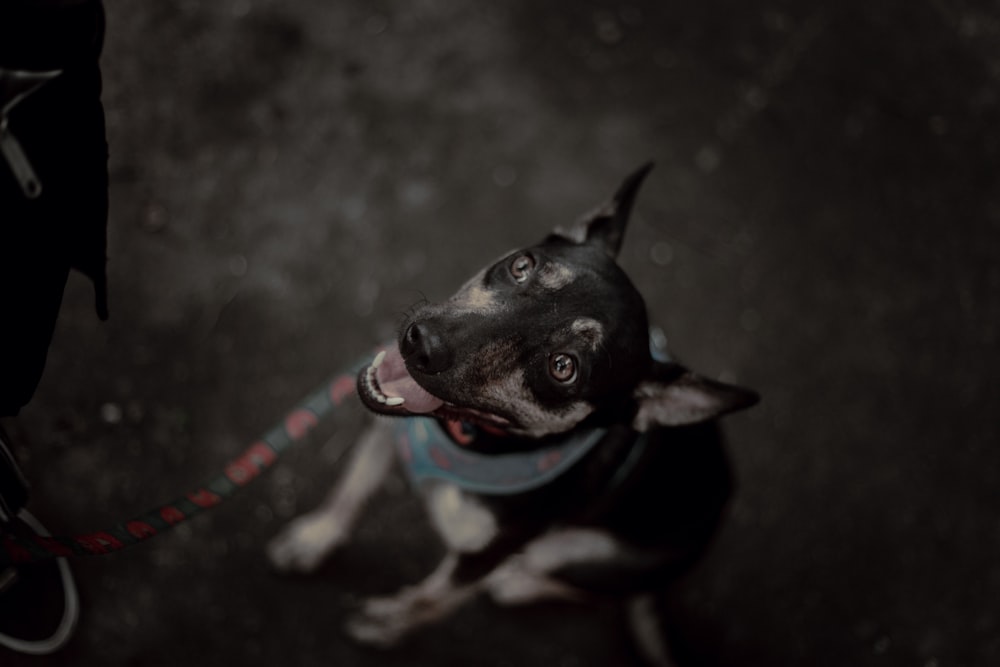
258	457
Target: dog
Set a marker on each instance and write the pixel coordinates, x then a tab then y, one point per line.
558	453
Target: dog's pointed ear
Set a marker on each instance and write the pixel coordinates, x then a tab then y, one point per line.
605	225
678	397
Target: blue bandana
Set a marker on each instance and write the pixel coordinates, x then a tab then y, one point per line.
429	452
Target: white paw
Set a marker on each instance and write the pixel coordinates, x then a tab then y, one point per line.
512	586
513	583
304	544
383	621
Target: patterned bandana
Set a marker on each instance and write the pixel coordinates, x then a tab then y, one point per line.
430	450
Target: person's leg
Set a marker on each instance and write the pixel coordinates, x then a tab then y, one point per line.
48	225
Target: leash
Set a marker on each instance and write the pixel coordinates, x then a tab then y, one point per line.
258	457
520	472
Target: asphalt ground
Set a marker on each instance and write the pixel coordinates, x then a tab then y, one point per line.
823	225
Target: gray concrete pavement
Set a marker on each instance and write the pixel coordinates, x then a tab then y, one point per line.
287	178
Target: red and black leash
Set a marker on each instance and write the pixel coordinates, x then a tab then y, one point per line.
16	549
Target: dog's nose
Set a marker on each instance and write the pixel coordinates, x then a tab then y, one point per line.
424	350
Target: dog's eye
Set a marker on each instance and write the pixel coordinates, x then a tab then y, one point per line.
562	367
521	267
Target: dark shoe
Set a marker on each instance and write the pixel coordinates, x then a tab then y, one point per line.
39	607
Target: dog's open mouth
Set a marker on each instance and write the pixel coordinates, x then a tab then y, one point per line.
387	382
387	387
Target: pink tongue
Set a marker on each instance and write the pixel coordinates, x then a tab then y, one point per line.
394	380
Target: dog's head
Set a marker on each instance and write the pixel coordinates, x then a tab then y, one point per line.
541	340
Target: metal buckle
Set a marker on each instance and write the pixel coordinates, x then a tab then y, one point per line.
13	485
15	86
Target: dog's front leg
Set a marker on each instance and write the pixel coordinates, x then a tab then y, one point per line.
476	545
528	577
306	542
533	576
383	621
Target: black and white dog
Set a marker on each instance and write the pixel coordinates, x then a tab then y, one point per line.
557	454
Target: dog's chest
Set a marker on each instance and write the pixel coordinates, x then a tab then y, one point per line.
459	486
